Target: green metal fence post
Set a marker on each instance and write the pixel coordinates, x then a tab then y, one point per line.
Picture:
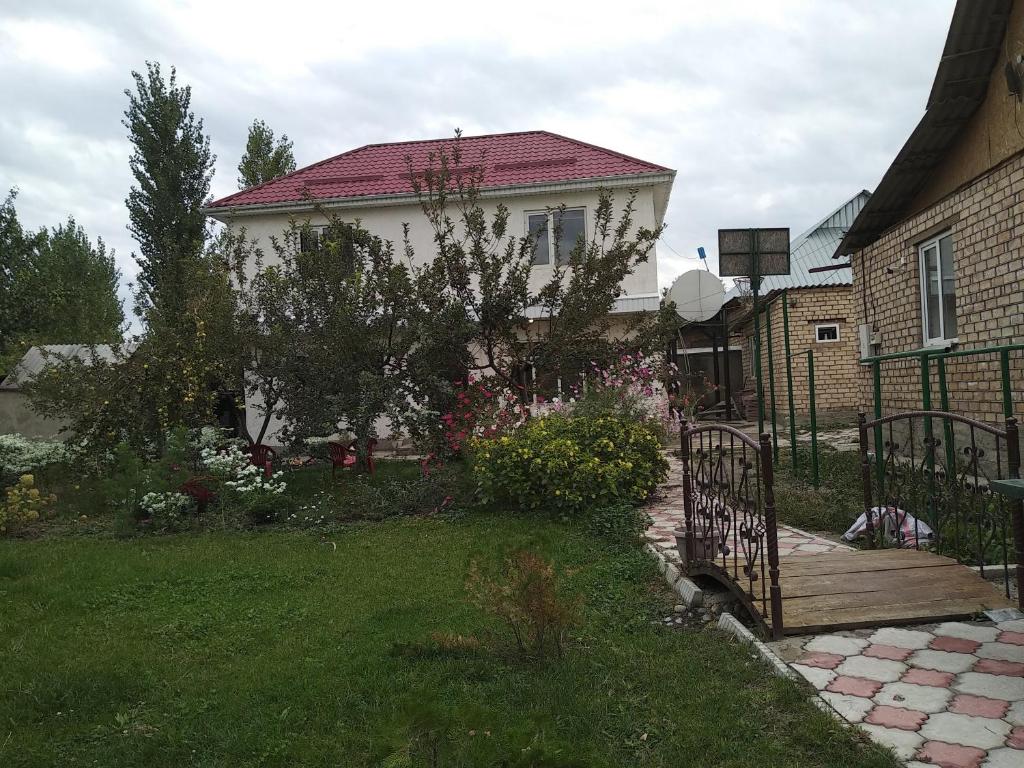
789	380
814	417
926	404
876	376
1004	370
947	426
771	380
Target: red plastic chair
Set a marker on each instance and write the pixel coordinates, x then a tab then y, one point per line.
344	456
341	456
198	488
262	456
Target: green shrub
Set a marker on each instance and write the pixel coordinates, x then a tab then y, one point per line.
568	464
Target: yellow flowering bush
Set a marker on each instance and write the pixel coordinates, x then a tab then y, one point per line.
566	465
23	503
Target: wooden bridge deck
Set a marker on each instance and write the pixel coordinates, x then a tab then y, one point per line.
881	587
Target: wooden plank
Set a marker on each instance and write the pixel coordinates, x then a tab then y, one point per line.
901	594
856	618
875	581
860	554
862	565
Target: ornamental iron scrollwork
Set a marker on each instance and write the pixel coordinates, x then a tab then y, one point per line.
730	529
926	478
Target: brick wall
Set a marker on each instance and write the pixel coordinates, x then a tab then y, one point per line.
986	219
835	363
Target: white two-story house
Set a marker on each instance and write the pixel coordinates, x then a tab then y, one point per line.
530	173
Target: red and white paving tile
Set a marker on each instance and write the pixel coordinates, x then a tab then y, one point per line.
949	695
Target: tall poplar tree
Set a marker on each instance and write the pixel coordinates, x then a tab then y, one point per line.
263	159
173	167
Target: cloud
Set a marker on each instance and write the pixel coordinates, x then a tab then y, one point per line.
772	112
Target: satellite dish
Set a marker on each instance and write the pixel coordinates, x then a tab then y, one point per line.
698	295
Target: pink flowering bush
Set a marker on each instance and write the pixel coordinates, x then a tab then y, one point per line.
629	388
484	408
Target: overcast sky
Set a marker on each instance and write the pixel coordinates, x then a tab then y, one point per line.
773	112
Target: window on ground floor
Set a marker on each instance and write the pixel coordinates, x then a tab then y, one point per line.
826	332
938	289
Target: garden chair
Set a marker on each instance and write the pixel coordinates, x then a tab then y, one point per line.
262	456
198	488
344	456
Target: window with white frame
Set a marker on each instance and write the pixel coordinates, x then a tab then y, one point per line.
826	332
555	232
316	238
938	289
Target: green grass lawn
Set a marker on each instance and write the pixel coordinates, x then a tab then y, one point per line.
283	648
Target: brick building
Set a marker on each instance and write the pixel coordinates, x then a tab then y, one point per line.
937	251
822	319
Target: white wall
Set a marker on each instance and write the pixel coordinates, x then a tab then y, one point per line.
386	222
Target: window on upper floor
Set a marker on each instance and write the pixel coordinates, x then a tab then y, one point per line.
568	225
314	239
938	289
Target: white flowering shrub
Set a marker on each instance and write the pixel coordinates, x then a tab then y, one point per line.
251	480
168	510
259	496
20	455
228	464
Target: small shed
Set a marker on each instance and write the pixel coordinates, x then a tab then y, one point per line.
15	414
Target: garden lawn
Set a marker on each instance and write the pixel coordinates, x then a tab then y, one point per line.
301	649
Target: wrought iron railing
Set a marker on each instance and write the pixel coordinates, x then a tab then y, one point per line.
928	486
729	507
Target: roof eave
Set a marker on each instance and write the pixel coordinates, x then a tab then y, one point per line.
405	198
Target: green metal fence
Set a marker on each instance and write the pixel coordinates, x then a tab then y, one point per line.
937	362
783	298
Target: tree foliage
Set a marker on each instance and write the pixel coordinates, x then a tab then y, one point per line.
55	287
172	167
173	375
513	320
264	159
338	335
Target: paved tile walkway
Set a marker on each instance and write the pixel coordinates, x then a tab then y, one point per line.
948	694
667	516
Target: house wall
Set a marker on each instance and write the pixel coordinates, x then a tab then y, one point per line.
986	219
835	363
387	222
17	418
993	134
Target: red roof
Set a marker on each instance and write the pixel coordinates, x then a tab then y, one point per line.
508	159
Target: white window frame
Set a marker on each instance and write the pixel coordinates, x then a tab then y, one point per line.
551	229
942	340
817	335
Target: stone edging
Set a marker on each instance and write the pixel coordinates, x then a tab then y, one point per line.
686	588
729	623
